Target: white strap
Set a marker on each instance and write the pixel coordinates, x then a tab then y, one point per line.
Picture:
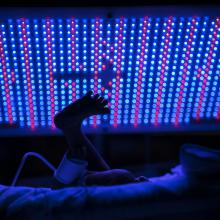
70	170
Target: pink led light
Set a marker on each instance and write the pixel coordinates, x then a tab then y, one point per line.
111	61
13	76
204	82
164	59
66	84
206	71
103	67
103	89
185	69
81	67
118	71
104	43
50	62
7	91
73	49
96	63
27	67
143	40
73	91
218	114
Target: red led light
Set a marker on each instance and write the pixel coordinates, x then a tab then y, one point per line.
206	71
73	49
104	43
141	57
96	63
165	50
118	70
186	63
111	61
27	67
81	67
144	30
73	91
50	61
218	115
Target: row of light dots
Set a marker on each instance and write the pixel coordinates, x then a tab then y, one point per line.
30	90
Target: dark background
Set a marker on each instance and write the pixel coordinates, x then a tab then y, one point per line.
139	151
96	3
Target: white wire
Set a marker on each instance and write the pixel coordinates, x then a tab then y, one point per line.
23	161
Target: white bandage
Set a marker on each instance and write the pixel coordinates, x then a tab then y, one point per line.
70	170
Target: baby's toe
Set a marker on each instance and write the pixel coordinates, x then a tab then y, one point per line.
89	93
105	102
96	96
100	99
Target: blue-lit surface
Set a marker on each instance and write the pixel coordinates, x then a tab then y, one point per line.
157	72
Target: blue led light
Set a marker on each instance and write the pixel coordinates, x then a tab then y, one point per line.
167	76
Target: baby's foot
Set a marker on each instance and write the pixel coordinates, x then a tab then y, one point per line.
82	108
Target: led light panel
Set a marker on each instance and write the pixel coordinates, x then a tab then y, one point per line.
157	72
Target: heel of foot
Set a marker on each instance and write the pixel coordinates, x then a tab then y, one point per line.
65	123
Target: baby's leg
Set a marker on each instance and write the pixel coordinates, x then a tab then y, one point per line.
70	119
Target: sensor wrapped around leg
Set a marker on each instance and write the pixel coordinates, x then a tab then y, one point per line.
70	170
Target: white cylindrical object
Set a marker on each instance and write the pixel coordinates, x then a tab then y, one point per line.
70	170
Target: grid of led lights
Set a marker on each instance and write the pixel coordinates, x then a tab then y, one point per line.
153	70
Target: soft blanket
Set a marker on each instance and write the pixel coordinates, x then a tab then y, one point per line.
130	201
83	202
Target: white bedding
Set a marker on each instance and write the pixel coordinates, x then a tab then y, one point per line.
111	202
45	203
